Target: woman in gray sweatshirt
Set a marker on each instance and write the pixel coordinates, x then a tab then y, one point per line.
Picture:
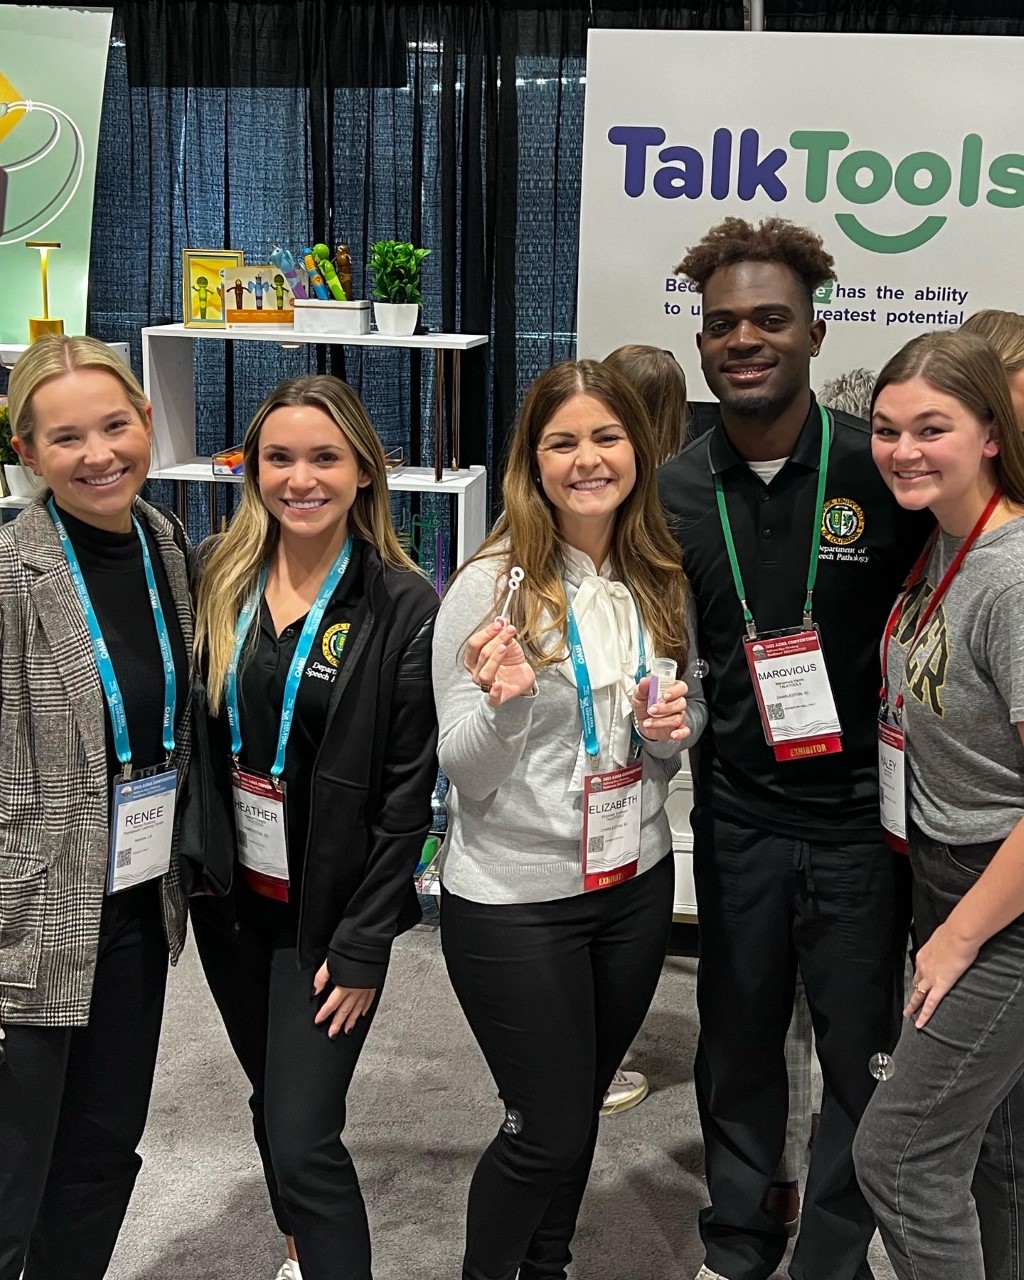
557	879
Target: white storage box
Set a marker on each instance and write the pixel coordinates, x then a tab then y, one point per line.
314	315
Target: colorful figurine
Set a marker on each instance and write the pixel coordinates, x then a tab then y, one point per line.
285	263
316	280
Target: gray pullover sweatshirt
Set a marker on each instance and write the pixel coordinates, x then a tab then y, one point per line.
514	819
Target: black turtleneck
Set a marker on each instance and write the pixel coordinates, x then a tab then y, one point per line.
116	579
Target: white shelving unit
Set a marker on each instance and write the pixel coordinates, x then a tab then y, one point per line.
168	377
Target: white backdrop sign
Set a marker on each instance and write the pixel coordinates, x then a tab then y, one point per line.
903	152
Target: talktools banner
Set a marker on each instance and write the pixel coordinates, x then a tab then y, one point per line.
905	153
52	68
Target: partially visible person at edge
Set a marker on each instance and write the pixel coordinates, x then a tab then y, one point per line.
790	868
95	636
659	381
308	606
1004	332
557	875
937	1152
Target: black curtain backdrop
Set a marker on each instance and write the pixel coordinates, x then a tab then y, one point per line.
457	126
902	17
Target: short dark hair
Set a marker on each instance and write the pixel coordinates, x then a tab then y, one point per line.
773	240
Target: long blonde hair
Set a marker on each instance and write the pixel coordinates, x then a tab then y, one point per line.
644	553
55	354
233	567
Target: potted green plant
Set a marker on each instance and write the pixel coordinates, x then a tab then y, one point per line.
396	269
17	481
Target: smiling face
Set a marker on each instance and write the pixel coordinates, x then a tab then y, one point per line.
932	451
90	446
586	463
757	338
309	474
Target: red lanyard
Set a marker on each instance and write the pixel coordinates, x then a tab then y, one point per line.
936	597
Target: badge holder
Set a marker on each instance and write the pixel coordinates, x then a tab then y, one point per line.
141	826
261	831
794	694
892	781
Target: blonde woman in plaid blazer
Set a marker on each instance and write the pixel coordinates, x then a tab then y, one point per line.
82	970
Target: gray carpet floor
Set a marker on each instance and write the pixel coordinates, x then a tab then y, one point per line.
422	1107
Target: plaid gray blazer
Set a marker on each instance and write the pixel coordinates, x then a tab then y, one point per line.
54	786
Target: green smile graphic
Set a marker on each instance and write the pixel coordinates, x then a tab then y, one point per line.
875	242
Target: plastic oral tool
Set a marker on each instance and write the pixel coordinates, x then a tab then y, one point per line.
322	255
316	280
515	580
285	263
662	673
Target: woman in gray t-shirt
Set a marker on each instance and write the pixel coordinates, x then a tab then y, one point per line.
935	1153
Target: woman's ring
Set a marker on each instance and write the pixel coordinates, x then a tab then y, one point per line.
920	990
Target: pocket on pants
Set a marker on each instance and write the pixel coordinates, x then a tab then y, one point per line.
971	859
22	909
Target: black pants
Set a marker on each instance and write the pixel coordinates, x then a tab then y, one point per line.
554	993
299	1078
766	905
73	1105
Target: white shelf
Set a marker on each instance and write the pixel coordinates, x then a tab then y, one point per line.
168	376
285	333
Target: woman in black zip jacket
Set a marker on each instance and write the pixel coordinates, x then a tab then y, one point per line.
314	631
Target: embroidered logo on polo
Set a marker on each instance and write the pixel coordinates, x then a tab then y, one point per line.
334	642
842	521
842	527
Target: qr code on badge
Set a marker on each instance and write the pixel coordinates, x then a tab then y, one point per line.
774	711
124	858
243	839
595	844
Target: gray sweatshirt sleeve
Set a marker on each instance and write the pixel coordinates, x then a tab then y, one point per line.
696	707
479	746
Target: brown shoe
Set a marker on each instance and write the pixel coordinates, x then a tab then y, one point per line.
783	1203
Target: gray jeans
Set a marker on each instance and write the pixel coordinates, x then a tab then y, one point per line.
940	1150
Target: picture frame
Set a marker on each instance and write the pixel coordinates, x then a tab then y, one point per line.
202	302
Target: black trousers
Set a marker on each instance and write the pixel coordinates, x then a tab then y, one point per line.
554	993
768	904
73	1105
299	1078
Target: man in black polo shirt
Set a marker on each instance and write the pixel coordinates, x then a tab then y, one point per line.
789	863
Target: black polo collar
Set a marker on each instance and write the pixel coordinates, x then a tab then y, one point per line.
806	452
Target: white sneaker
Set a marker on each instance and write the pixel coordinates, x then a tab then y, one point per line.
289	1270
628	1089
705	1274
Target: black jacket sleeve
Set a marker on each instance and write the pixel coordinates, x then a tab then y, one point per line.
361	945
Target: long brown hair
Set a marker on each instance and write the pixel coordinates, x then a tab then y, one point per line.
234	565
661	385
643	552
967	368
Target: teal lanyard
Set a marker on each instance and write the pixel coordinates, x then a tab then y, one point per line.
812	568
108	677
584	690
291	688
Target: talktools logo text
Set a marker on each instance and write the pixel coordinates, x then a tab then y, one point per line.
818	161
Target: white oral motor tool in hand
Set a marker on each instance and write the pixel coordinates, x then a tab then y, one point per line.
515	581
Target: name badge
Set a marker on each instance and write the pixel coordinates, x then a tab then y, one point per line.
794	695
261	831
892	755
141	828
611	826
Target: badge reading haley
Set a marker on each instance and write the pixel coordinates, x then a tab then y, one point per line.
334	642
